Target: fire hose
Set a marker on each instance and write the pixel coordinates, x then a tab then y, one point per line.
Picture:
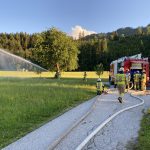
88	138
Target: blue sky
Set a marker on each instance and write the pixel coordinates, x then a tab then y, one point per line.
95	15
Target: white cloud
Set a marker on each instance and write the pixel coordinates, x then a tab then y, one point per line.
77	30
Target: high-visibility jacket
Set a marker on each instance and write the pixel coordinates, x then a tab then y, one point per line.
143	77
120	79
99	86
137	77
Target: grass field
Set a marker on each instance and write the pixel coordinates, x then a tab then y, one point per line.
90	74
26	104
144	134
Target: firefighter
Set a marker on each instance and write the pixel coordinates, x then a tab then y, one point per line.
143	80
128	78
85	76
137	77
121	83
99	86
115	84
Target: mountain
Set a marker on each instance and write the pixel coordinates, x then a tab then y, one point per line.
127	31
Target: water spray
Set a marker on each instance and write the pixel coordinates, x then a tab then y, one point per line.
11	62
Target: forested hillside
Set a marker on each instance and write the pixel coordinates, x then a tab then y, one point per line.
54	49
105	50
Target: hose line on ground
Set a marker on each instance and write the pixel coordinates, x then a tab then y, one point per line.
88	138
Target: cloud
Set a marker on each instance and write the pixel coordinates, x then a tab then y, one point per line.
77	30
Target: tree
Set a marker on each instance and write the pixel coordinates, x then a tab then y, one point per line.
148	30
104	45
4	40
81	34
98	50
99	69
57	50
36	50
114	35
87	56
139	31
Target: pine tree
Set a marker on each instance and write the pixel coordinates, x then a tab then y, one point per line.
104	45
139	31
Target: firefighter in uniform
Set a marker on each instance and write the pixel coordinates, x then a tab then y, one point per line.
85	76
143	80
137	77
115	84
99	86
121	83
128	78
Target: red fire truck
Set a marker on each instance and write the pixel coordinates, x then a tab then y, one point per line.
133	63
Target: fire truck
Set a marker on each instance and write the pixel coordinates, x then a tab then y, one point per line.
131	63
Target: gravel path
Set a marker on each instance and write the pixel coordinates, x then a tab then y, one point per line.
116	134
122	132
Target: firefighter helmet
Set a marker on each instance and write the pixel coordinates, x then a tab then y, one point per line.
98	80
143	71
121	69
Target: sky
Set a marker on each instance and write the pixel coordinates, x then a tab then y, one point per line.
71	16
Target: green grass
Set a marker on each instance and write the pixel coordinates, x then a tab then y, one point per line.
144	134
26	104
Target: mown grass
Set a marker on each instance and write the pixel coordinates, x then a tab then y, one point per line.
144	134
26	104
90	74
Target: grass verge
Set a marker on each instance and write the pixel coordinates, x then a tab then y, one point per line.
144	134
26	104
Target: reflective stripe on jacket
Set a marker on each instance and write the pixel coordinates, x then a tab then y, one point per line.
99	86
120	79
137	77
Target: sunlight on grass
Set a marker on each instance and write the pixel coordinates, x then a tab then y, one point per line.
90	74
26	104
144	134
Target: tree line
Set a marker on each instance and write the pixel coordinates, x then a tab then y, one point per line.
51	49
106	49
55	50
